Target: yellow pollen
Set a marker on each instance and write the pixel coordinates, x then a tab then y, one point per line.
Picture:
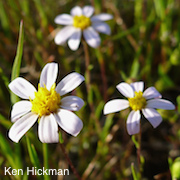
138	102
81	22
45	101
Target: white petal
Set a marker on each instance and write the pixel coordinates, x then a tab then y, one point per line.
102	17
69	83
64	34
21	126
88	11
151	92
19	109
115	106
101	27
48	129
72	103
92	37
74	40
152	116
76	11
69	122
64	19
133	122
138	86
22	88
125	89
49	75
160	104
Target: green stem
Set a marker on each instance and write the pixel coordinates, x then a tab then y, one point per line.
45	156
69	162
139	154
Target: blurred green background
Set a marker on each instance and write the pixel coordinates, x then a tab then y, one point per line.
144	45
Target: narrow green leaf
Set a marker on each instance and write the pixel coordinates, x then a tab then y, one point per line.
18	156
25	176
178	103
41	12
3	17
107	126
1	161
135	141
99	109
135	68
61	140
6	149
160	7
4	77
32	154
138	6
134	172
176	169
17	61
3	121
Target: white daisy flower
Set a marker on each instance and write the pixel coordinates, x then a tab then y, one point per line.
81	22
147	102
46	105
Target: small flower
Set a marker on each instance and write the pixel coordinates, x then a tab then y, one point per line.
80	21
146	101
46	105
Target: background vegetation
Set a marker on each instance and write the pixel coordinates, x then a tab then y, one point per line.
144	45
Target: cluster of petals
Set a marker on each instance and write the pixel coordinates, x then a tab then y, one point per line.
73	34
24	118
153	102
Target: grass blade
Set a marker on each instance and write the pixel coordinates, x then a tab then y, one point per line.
17	61
32	154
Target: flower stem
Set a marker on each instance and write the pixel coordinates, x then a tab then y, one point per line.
70	162
45	156
88	85
139	154
103	73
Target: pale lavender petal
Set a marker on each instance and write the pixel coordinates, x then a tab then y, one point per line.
88	11
138	86
69	122
48	129
64	34
64	19
152	116
72	103
19	109
76	11
92	37
101	27
125	89
133	122
75	40
151	92
115	106
22	88
21	126
49	75
102	17
69	83
160	104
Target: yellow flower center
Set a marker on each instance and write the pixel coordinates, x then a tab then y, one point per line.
138	102
81	22
45	101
